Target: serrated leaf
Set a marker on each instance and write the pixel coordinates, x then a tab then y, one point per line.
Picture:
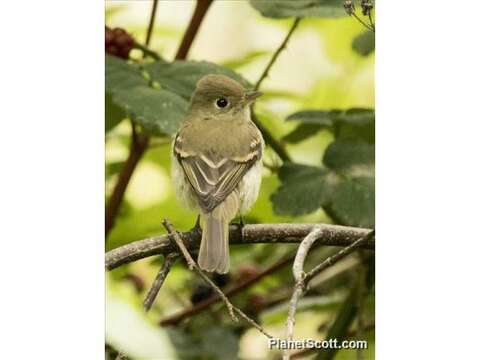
343	155
364	43
304	189
353	202
181	77
157	110
113	113
299	8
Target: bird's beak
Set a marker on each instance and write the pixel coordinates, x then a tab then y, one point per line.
252	95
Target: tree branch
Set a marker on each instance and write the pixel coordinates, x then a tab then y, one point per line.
159	279
333	235
302	279
193	266
201	9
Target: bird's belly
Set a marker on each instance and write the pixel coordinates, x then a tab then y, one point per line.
249	187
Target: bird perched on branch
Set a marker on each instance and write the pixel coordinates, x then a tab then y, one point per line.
217	162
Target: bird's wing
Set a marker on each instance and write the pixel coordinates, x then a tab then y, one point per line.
212	176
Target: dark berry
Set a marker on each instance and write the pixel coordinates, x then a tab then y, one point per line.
124	51
118	32
109	37
113	50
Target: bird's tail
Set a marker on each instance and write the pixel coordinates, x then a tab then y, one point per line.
214	253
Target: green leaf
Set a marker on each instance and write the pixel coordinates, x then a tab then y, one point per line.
353	202
313	121
342	155
304	189
120	75
157	110
113	113
299	8
317	117
364	43
302	132
356	124
181	77
352	124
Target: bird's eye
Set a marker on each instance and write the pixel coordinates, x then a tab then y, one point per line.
221	102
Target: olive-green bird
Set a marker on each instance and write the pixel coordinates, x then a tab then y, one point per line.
217	162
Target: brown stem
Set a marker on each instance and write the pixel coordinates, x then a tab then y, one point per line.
197	17
159	279
137	149
151	22
275	55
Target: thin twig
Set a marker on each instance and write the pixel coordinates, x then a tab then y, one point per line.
362	22
338	256
159	279
147	51
277	53
151	22
205	304
201	9
193	266
302	279
372	24
269	138
333	235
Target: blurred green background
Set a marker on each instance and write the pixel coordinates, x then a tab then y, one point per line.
319	70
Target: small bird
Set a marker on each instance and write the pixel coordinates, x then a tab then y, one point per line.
217	162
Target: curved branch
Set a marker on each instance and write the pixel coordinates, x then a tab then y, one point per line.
333	235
